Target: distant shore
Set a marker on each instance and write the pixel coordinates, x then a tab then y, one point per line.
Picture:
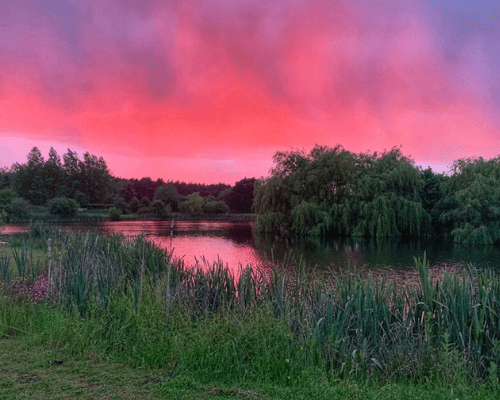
103	216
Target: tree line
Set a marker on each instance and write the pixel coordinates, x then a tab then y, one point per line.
64	185
335	192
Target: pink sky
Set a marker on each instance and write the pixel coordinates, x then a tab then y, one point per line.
207	91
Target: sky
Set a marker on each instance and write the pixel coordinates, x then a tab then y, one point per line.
207	91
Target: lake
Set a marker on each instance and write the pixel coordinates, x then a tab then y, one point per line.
234	243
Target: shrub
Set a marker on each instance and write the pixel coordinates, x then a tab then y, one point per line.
193	204
6	197
134	205
19	209
144	211
62	207
114	214
169	195
215	207
160	209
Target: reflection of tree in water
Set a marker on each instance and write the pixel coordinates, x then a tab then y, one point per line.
240	234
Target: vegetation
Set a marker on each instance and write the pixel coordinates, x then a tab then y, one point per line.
130	301
50	189
331	191
62	207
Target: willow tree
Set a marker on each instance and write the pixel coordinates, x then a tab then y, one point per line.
331	191
472	194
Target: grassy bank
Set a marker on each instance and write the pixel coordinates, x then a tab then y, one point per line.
100	216
274	335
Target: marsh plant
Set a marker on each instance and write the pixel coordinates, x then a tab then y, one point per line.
133	301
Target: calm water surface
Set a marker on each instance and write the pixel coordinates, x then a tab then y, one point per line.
235	245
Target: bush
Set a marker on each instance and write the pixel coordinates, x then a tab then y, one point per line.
62	207
19	209
216	207
134	205
114	214
144	211
169	195
193	204
160	209
6	197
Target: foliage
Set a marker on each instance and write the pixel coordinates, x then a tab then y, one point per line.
130	300
472	195
193	204
6	197
240	197
62	207
169	196
146	188
114	214
213	206
119	202
5	178
18	209
88	181
134	205
333	191
144	211
159	209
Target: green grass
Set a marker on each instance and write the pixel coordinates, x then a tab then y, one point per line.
30	370
264	335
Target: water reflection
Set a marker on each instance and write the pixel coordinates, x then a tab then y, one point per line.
234	243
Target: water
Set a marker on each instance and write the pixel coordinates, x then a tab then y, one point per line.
235	245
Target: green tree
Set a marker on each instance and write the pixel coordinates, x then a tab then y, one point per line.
18	209
95	178
169	196
53	175
28	179
240	197
471	204
331	191
193	204
72	167
214	206
134	205
159	209
62	207
5	178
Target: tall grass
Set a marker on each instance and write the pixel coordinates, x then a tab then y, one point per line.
134	301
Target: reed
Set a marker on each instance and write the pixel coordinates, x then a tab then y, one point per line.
136	301
5	272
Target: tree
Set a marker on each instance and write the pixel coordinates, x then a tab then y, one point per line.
28	179
62	207
53	175
5	178
160	209
193	204
134	205
72	176
331	191
169	196
214	206
240	198
6	197
95	179
18	209
471	203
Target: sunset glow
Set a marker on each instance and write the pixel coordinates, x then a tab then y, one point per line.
207	91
